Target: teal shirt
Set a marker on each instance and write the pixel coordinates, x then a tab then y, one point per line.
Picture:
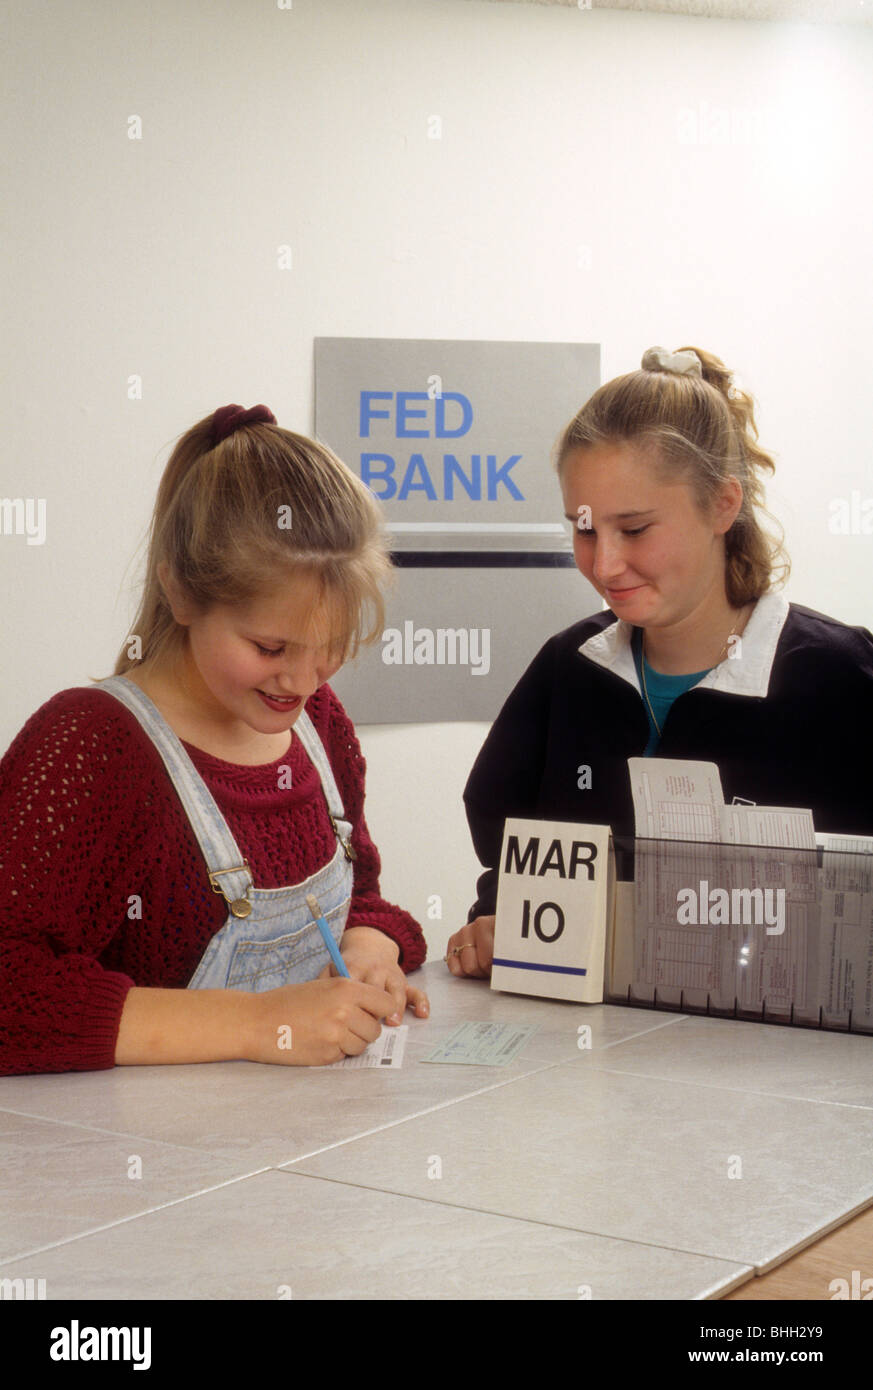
662	691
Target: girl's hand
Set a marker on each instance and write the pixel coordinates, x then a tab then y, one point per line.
371	957
471	950
311	1024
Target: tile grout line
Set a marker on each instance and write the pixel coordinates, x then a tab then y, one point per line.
745	1262
734	1090
530	1220
676	1018
431	1109
110	1133
812	1237
135	1216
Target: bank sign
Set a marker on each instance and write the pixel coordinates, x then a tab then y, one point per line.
455	440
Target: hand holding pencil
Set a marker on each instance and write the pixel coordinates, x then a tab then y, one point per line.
370	956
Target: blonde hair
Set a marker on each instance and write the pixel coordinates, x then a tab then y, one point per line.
703	431
218	526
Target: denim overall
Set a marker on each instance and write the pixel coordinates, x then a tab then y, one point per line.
270	937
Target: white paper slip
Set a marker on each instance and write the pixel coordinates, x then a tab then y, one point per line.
847	927
776	827
483	1044
676	800
386	1051
845	844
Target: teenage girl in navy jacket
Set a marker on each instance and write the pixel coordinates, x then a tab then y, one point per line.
698	658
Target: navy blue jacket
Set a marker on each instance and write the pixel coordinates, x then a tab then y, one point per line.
790	723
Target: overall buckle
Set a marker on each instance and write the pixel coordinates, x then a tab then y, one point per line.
240	907
348	848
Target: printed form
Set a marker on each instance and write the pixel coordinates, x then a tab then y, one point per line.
847	917
760	924
386	1051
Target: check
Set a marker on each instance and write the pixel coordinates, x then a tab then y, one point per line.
483	1044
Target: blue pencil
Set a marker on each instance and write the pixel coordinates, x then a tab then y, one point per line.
327	934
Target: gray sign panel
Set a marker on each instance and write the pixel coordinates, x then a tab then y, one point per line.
455	440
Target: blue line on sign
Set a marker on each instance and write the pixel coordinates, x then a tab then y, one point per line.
528	965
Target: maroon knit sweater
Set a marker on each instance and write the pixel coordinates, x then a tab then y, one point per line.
89	817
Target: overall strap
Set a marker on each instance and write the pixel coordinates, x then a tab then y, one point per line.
229	873
315	749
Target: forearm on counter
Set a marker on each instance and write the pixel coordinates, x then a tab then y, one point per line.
160	1026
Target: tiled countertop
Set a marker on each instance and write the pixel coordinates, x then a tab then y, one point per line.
673	1159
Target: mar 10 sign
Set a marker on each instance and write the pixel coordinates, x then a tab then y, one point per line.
555	898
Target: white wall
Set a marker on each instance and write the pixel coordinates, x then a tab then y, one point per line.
563	201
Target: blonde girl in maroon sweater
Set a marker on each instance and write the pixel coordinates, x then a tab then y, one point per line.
163	831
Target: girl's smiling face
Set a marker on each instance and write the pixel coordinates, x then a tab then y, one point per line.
258	663
649	553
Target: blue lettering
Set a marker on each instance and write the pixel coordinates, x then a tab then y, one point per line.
466	410
416	465
472	485
500	475
403	411
367	412
369	472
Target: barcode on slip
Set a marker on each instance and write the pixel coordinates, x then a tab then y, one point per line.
390	1048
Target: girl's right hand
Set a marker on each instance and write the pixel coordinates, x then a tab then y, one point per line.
471	950
311	1024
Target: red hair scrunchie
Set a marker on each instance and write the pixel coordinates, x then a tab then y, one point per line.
231	417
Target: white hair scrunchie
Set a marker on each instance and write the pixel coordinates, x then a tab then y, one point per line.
659	359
